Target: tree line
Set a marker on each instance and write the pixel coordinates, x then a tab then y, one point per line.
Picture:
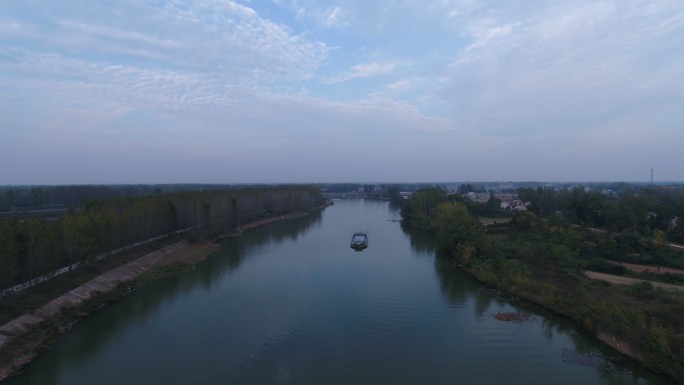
27	198
36	246
646	211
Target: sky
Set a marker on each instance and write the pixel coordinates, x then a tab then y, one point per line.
307	91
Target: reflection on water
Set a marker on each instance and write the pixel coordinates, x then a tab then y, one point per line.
292	303
457	288
423	244
234	250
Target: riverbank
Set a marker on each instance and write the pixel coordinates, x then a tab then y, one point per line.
26	336
606	312
23	338
261	222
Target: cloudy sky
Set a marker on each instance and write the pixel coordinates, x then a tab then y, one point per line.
164	91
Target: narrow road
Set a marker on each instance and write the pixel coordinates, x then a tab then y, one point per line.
620	280
672	245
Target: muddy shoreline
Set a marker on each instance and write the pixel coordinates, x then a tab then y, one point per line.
25	337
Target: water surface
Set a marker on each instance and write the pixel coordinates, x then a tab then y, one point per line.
292	303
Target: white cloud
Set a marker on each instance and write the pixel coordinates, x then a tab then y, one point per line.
333	17
399	85
484	35
208	36
363	71
575	68
196	83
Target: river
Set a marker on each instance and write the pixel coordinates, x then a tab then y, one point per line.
292	303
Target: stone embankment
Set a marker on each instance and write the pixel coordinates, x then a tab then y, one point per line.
93	290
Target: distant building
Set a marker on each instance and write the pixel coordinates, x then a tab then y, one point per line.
514	205
477	197
406	194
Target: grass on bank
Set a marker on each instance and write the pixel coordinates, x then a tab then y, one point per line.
646	320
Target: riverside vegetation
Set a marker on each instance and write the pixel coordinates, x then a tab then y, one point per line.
542	255
36	246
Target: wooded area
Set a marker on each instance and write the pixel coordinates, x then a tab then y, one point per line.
647	211
35	246
542	255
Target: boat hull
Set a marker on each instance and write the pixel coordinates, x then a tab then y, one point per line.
359	241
